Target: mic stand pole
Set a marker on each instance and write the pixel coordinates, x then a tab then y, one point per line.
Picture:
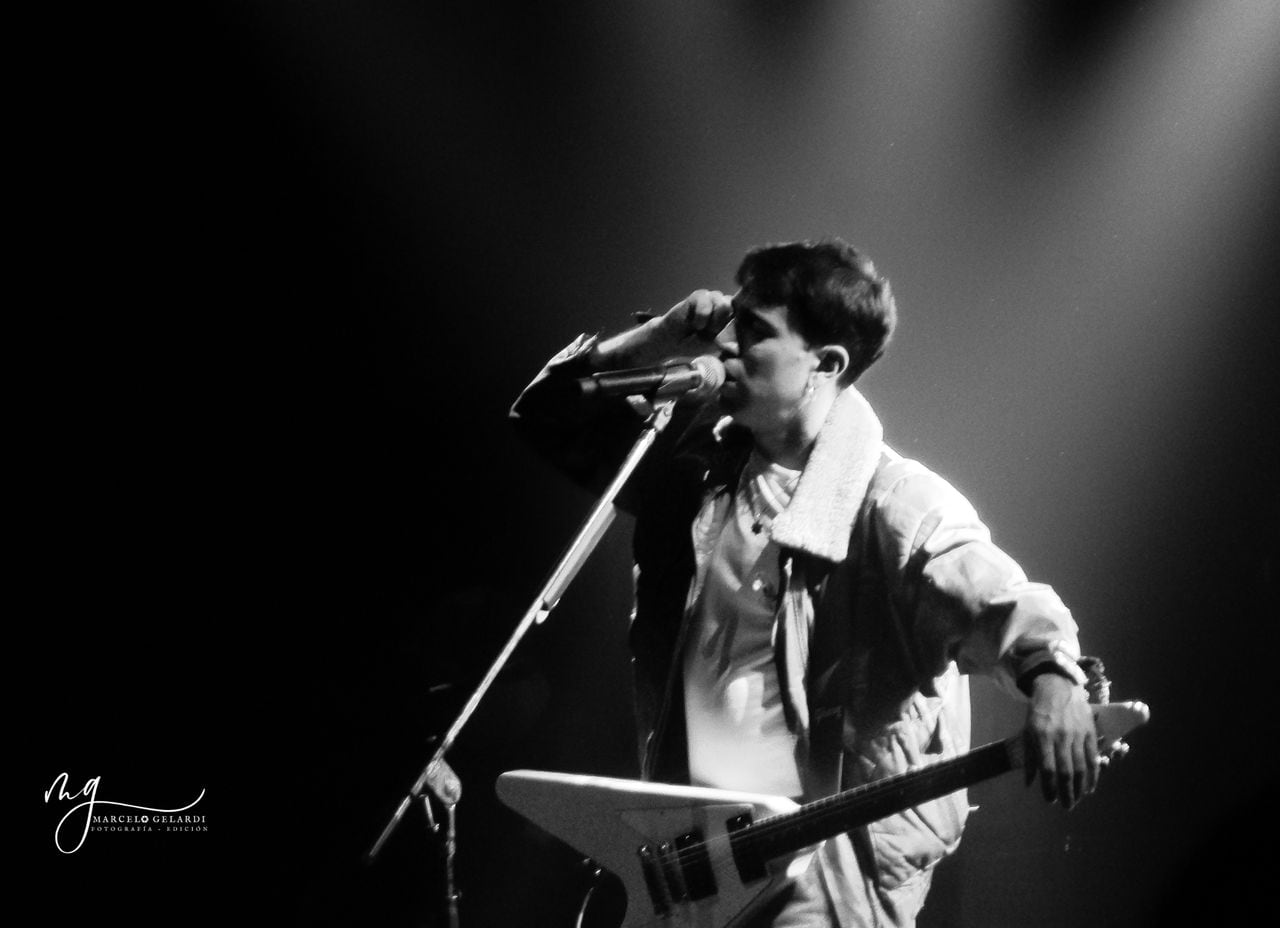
437	775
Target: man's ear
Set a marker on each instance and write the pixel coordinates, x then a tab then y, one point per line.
833	361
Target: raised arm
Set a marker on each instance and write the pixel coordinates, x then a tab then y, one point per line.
587	438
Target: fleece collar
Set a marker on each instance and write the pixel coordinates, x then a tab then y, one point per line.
819	519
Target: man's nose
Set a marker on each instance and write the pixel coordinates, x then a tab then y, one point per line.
727	341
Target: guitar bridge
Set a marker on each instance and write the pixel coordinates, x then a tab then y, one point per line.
677	871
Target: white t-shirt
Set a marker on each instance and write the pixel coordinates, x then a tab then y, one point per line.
738	734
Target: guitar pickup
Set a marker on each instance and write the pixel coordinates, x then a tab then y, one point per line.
677	871
672	872
655	880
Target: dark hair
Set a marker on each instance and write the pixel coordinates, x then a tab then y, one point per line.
833	292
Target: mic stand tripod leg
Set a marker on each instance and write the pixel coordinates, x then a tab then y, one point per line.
452	895
450	851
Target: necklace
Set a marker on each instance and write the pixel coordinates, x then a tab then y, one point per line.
766	499
760	516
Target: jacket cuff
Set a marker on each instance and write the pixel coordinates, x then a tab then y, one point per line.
576	351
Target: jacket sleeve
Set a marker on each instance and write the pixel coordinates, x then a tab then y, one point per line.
961	598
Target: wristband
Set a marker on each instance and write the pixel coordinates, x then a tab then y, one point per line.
1050	666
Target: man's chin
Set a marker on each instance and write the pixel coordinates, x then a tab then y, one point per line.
730	395
730	401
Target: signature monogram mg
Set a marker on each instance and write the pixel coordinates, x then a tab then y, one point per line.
89	795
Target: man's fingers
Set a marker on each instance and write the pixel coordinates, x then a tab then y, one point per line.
705	312
1057	771
1070	774
696	313
1048	772
1092	761
1064	771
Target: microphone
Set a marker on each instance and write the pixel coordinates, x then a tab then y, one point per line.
696	379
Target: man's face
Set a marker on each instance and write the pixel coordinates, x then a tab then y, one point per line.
768	368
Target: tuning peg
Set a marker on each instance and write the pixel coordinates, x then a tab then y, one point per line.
1118	750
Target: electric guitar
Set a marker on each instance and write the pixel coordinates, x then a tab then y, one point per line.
708	858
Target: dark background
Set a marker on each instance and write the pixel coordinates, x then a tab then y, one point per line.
285	266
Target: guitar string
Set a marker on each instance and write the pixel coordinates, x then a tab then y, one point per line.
834	807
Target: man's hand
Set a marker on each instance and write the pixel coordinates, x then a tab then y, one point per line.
1062	745
686	330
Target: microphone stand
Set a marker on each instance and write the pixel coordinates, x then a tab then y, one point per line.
437	776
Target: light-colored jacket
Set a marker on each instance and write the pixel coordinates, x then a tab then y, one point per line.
892	592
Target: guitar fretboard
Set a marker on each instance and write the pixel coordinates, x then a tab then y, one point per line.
790	832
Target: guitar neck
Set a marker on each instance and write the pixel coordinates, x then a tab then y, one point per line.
792	831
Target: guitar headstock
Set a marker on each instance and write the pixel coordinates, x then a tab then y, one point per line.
1113	721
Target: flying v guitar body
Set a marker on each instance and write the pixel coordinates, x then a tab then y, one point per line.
685	871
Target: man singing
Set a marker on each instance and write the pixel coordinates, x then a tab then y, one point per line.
807	601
